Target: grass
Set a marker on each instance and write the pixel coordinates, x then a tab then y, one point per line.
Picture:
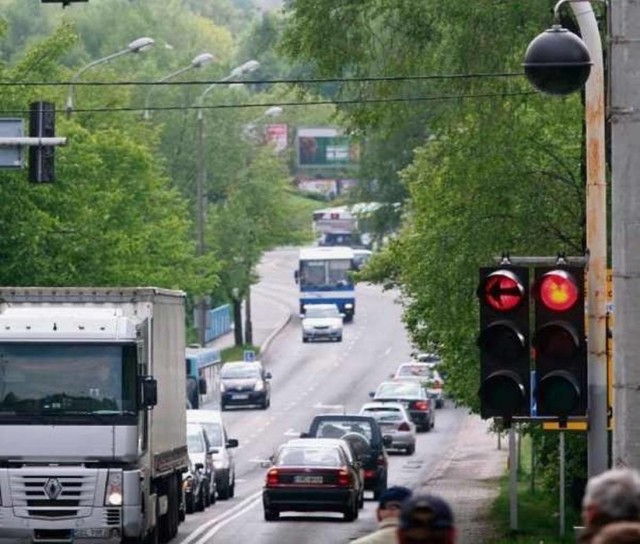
236	353
538	510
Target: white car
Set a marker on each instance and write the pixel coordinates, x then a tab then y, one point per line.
426	374
223	462
322	321
394	421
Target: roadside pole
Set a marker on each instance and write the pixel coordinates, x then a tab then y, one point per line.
625	160
513	479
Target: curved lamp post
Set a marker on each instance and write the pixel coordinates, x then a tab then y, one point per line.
198	62
238	71
136	46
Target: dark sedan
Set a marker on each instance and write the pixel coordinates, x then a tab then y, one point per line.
413	397
311	476
243	384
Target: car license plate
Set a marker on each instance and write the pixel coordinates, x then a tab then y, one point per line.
242	396
307	479
102	532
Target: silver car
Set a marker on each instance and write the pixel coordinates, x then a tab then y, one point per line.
427	375
322	321
394	421
223	461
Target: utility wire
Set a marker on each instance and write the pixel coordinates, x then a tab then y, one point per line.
288	104
367	79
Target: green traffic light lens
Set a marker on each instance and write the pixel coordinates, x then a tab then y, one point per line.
504	393
558	394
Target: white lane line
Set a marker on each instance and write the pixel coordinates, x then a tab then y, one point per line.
292	432
205	526
386	352
223	524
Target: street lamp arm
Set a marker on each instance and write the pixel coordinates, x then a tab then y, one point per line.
556	9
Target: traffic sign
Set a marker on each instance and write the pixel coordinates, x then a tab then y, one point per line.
249	355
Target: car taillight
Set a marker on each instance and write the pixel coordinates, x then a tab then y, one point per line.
404	426
368	474
421	405
344	478
273	477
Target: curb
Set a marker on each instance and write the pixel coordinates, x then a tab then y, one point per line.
279	328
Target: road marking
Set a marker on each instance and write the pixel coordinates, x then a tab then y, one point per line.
292	432
386	352
224	523
205	526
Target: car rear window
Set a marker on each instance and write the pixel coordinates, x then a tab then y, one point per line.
309	457
422	371
399	390
338	428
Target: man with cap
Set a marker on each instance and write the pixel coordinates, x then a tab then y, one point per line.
389	505
426	519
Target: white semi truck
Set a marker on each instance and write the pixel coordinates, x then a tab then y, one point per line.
92	415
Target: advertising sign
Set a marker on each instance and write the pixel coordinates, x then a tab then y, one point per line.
325	147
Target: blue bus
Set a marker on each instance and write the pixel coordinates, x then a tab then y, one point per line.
324	277
203	377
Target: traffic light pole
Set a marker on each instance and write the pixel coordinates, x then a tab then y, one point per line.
596	207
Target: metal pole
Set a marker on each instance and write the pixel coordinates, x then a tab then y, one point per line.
248	326
625	160
561	451
200	217
596	206
513	480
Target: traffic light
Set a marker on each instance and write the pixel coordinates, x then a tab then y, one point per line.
559	342
504	342
42	124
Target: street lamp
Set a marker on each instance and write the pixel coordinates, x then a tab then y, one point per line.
198	62
584	62
141	44
273	111
238	71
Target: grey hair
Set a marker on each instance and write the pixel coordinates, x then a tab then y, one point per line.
615	494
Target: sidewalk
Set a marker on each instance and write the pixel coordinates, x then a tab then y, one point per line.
469	478
268	318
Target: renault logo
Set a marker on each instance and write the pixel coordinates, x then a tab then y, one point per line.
53	488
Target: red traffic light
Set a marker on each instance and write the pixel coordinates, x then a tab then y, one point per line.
502	291
558	290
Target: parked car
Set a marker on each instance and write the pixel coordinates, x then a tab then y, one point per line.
322	321
221	446
245	383
427	375
311	476
193	489
200	454
394	421
413	396
373	457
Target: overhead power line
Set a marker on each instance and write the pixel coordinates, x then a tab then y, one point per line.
289	104
305	81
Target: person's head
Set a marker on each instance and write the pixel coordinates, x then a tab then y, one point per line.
619	532
391	501
426	519
611	496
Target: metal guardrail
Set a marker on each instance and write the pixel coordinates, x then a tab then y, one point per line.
219	322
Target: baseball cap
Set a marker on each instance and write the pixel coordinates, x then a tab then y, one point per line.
394	496
426	511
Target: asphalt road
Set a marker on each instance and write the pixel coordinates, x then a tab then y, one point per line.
307	379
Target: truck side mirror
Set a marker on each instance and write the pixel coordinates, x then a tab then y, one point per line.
202	386
296	276
148	392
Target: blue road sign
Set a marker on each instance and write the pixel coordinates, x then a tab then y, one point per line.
249	355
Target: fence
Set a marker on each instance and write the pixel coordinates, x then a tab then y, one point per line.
219	322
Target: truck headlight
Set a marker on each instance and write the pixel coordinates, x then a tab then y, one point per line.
113	495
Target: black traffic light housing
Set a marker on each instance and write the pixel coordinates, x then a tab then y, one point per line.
505	369
559	342
42	124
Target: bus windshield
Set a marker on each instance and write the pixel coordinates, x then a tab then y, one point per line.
327	273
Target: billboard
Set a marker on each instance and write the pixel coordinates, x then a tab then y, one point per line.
277	135
325	148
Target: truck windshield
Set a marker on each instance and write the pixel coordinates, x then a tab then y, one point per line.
329	273
67	379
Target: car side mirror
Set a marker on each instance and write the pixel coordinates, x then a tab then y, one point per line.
202	386
267	376
372	394
232	443
304	435
296	276
214	451
148	392
387	441
199	466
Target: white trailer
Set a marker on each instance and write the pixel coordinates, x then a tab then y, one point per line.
92	414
